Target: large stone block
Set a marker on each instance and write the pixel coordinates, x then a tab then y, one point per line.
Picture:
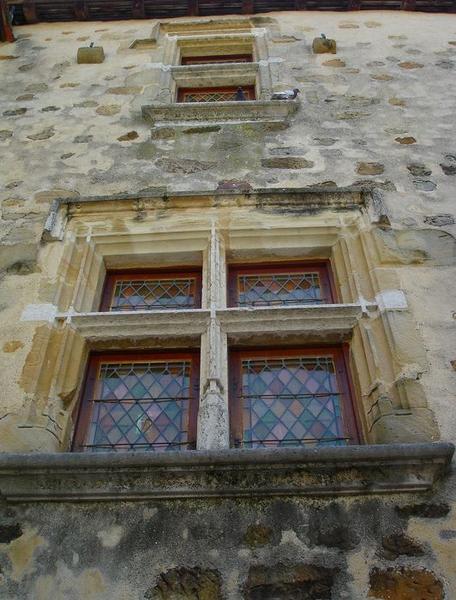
89	56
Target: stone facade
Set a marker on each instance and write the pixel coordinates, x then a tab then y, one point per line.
102	169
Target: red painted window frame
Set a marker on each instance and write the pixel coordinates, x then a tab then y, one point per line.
322	267
214	58
230	88
137	274
83	410
340	356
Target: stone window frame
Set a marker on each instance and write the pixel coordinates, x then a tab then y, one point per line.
165	110
372	314
174	75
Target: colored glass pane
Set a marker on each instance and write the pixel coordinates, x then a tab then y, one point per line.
291	401
214	95
154	294
271	289
140	405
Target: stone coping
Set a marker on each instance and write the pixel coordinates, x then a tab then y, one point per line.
220	112
326	471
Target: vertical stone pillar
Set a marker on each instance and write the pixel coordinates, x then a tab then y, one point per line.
213	415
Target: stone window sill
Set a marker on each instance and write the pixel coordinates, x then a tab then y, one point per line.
178	113
331	471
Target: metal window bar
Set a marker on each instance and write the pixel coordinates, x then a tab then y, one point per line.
229	96
283	302
269	442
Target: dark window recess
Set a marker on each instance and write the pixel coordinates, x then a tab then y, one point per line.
214	94
223	58
280	285
133	402
152	291
291	398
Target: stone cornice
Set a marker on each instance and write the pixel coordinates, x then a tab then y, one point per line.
330	471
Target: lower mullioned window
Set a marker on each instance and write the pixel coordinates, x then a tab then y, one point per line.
291	397
139	402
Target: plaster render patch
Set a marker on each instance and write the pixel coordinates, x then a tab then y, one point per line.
21	552
391	300
39	312
110	537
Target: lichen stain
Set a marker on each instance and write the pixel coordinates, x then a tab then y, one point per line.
12	346
21	552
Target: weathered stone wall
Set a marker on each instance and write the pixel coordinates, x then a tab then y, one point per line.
395	549
380	113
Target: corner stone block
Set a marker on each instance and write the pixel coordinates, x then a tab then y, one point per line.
324	46
89	56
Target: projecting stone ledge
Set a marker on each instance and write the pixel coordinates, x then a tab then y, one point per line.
330	471
268	111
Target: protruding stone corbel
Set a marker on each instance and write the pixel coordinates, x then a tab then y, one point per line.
90	55
323	45
56	221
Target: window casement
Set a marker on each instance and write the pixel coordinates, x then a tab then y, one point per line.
280	284
291	397
216	59
152	290
214	94
146	401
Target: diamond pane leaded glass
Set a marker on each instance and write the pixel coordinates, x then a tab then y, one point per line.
291	401
154	294
214	95
140	405
269	289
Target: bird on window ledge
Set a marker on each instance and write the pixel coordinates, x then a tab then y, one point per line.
240	96
285	95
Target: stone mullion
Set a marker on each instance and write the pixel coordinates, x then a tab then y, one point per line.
213	414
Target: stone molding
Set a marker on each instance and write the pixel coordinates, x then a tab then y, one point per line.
332	321
327	319
98	326
220	74
313	472
277	111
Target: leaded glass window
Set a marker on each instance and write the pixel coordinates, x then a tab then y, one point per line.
152	291
214	94
280	285
292	398
134	403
